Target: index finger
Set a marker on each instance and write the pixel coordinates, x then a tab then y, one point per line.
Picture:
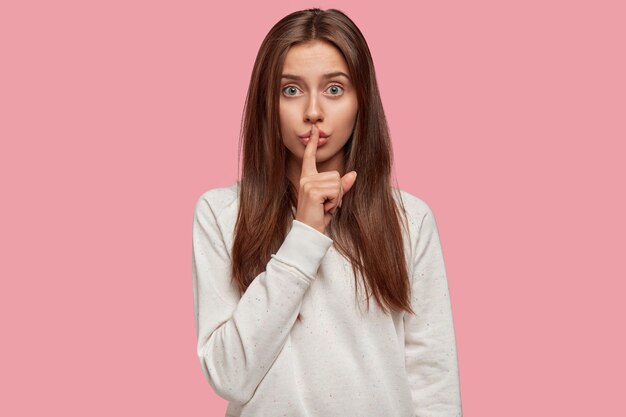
309	166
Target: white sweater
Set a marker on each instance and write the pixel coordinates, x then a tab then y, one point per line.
339	360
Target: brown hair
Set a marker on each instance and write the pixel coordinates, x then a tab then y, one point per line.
367	228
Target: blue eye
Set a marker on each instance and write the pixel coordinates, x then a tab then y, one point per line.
291	87
335	86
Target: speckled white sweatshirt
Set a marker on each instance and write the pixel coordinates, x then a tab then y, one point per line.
340	360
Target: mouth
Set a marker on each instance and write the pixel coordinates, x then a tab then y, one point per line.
321	132
323	137
321	141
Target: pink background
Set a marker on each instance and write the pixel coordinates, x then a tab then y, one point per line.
508	118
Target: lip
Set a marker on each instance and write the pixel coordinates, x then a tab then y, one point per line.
307	134
320	142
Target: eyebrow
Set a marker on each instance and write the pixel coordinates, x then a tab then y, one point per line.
325	76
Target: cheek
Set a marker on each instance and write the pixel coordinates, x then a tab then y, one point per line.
283	120
287	115
346	115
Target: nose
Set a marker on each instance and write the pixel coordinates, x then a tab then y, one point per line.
313	112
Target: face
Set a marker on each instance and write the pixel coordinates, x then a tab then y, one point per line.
316	89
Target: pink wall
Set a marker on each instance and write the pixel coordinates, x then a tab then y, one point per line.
509	120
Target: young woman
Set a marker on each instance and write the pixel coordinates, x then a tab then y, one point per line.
286	260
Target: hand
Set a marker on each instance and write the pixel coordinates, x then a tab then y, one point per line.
320	193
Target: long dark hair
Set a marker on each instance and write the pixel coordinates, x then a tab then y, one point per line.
367	228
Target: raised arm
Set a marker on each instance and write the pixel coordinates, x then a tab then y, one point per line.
240	337
430	344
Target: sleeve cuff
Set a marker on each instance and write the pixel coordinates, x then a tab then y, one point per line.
304	247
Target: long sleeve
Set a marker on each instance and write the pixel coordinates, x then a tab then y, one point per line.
430	345
240	337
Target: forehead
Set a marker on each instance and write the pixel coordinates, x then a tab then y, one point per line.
314	57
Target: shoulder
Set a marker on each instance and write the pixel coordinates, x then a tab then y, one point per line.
217	200
422	226
415	207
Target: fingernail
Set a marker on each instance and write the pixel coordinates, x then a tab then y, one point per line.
354	174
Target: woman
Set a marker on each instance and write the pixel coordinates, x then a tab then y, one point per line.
285	260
